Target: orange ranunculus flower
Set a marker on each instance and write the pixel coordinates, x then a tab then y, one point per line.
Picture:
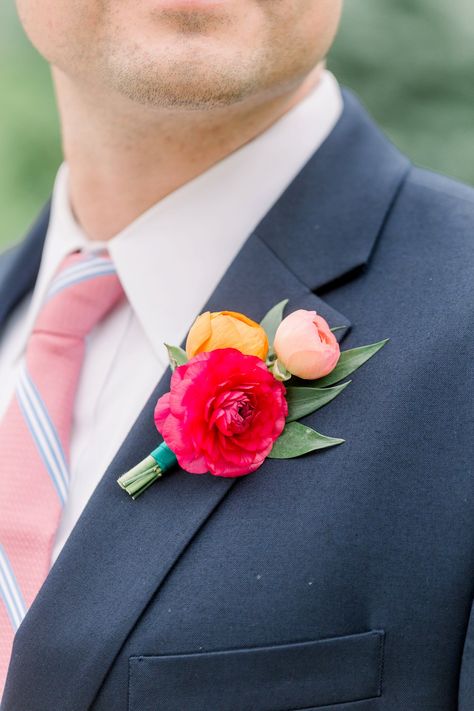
226	329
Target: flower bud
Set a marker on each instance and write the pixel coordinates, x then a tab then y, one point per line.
306	346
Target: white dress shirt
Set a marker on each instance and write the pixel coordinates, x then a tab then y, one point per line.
169	261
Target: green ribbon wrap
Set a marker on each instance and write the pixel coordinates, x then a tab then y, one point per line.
146	472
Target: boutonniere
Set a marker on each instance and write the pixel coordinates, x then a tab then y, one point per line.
238	390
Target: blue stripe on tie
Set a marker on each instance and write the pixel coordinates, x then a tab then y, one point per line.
85	264
11	592
80	267
49	427
43	432
83	276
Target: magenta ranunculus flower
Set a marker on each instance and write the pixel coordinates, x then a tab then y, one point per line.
223	413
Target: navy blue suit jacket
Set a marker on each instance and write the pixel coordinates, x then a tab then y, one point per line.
342	580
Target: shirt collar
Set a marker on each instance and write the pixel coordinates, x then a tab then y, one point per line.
63	237
171	257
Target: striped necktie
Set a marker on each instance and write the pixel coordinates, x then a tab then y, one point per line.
35	432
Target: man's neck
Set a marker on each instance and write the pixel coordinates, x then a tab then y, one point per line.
124	158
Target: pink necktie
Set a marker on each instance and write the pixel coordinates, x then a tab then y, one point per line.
35	431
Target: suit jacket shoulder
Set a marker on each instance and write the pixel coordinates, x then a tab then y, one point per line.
445	205
432	225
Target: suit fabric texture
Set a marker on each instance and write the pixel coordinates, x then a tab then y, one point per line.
341	580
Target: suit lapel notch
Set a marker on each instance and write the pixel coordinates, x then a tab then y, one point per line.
326	225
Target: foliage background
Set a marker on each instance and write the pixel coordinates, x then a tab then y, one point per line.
410	61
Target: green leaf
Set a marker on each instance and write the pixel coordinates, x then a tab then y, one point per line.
338	328
297	439
303	401
176	355
349	361
272	320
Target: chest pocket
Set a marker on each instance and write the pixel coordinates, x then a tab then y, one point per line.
283	677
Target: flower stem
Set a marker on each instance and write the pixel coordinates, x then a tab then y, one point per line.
136	480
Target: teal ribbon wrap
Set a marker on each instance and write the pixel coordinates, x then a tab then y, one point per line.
164	457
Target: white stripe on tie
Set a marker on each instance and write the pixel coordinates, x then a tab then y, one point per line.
10	591
44	432
86	272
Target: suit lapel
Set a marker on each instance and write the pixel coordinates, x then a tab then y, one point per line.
121	550
20	264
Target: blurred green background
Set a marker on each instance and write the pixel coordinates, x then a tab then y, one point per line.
410	61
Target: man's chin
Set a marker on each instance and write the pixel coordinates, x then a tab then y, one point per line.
180	89
200	78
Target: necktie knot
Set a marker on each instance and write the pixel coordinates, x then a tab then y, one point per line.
85	288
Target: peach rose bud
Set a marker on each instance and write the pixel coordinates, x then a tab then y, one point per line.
226	329
306	346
